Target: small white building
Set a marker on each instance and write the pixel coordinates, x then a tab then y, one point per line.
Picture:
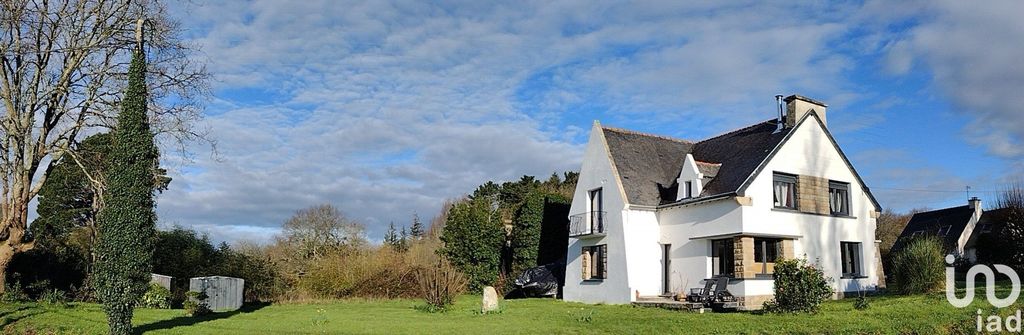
654	215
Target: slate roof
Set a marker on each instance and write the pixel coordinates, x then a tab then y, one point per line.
650	164
647	164
994	218
930	222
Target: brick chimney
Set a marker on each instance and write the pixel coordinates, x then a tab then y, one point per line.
797	106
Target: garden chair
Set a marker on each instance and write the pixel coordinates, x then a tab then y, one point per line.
702	295
722	299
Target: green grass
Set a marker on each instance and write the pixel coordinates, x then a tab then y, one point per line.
887	314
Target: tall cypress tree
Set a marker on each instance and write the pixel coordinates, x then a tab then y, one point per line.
126	224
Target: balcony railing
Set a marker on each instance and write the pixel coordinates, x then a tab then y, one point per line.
587	224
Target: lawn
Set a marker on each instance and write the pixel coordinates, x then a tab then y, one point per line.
888	314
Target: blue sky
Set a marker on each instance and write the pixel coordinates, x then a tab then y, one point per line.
386	109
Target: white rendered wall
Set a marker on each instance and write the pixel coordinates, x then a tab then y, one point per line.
809	152
643	252
597	172
691	259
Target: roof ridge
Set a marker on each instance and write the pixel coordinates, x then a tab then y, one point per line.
943	209
634	132
735	130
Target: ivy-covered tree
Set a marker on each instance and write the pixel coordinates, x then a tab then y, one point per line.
473	238
525	237
126	226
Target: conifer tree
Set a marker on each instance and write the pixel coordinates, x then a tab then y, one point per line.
416	230
126	224
391	237
403	241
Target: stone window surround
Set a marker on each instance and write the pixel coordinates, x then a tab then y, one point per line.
743	247
812	195
594	270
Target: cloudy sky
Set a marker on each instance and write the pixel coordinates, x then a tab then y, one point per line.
386	109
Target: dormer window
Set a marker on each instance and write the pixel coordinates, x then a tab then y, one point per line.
693	176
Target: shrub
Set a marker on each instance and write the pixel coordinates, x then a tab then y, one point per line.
156	297
38	288
195	304
799	287
918	267
13	293
861	303
440	285
379	273
54	297
474	237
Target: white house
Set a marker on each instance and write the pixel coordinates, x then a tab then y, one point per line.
653	215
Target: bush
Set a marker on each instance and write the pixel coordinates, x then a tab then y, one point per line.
440	285
13	292
799	287
474	238
54	297
918	267
380	273
156	297
195	304
861	303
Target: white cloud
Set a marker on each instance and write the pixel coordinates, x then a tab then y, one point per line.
974	54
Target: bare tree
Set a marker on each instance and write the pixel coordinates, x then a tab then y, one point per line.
63	67
1011	203
315	231
889	226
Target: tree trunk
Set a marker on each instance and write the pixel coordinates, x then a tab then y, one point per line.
6	254
15	224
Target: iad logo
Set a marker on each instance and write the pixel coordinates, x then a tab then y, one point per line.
992	323
990	284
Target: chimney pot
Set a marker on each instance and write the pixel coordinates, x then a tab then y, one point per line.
974	202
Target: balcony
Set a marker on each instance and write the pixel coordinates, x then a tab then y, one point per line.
588	224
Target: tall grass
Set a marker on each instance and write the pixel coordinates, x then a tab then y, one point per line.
919	266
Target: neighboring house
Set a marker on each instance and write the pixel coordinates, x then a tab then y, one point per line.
653	215
959	228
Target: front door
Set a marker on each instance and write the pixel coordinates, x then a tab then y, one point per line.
666	261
